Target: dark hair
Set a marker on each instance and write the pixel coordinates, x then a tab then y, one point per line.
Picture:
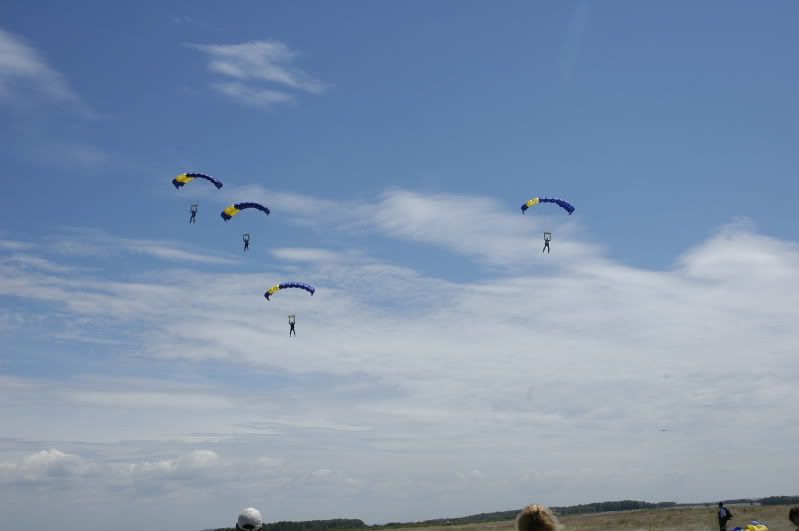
721	504
793	515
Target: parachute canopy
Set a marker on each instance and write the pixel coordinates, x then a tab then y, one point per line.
234	209
560	202
284	285
185	178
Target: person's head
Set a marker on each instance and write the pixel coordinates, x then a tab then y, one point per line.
721	504
793	515
537	518
249	520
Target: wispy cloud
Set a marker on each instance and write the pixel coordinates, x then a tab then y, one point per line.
95	242
25	72
251	64
68	153
14	245
29	261
183	19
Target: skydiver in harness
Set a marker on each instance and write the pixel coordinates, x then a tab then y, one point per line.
547	237
291	324
193	211
246	239
724	515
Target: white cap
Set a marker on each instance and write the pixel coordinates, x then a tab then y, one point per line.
249	520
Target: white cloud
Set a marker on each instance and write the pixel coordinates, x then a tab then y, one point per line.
474	226
261	62
257	97
44	465
47	465
304	254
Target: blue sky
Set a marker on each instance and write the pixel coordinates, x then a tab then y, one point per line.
394	144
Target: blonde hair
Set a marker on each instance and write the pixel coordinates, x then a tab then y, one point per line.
537	518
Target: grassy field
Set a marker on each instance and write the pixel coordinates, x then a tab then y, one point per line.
680	518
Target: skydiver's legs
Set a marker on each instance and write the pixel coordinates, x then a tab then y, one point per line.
292	331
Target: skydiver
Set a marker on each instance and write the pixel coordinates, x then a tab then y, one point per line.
246	239
547	237
291	324
723	515
193	211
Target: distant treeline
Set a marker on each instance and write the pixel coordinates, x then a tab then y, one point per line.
309	525
780	500
599	507
342	524
606	507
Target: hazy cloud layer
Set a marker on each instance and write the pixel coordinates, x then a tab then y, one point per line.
533	383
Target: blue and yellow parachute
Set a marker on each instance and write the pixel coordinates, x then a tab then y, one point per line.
185	178
284	285
234	209
560	202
